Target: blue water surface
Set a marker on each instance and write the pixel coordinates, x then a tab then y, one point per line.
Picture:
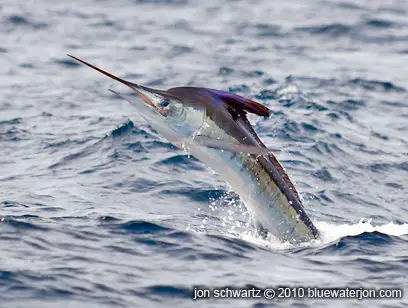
97	210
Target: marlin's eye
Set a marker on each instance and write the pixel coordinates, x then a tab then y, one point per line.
164	103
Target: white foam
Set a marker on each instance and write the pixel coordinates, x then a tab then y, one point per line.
329	232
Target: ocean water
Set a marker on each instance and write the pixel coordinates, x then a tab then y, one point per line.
97	210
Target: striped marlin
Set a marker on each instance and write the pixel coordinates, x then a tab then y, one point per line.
212	125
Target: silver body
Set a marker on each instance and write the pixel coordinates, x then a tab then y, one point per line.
247	177
268	204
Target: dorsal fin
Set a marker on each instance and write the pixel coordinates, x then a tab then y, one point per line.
285	176
240	103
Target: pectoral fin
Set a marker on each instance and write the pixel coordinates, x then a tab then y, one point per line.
231	146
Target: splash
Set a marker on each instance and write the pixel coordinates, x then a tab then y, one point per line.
229	216
329	233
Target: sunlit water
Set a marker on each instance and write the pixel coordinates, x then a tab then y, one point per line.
97	210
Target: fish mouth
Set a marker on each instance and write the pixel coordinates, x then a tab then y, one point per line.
142	91
146	100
